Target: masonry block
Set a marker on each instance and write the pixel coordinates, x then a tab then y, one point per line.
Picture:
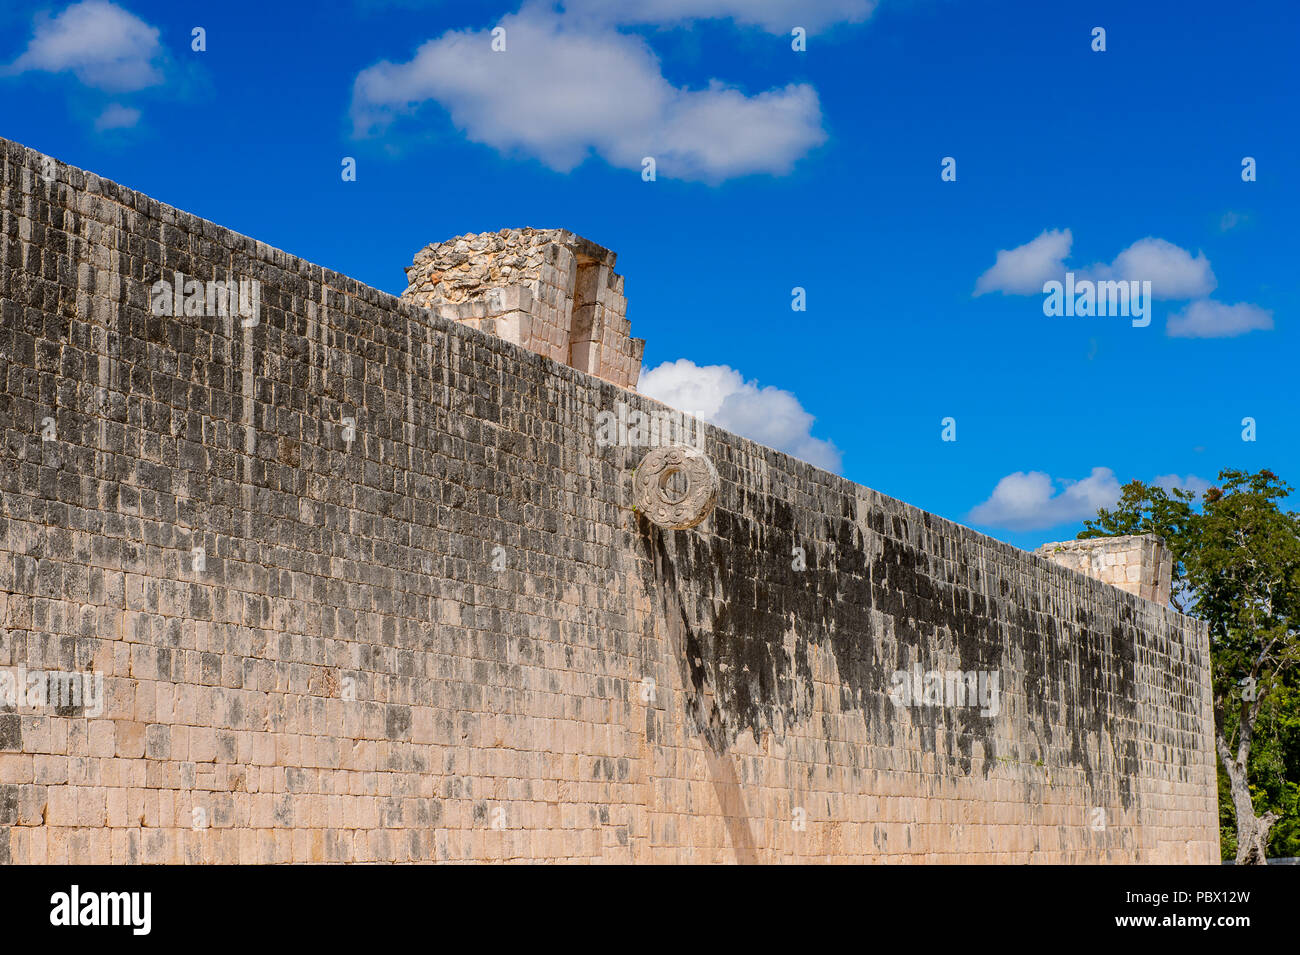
564	283
1138	564
430	626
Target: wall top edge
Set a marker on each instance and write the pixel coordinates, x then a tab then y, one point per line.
80	179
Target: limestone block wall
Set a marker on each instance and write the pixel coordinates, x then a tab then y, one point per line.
1138	563
362	585
549	290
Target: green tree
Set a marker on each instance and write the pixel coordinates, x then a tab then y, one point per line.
1236	565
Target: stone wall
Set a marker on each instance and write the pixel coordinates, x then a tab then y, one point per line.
1138	563
362	586
549	290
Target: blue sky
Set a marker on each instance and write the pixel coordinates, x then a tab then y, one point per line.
776	169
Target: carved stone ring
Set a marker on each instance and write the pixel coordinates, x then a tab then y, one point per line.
658	492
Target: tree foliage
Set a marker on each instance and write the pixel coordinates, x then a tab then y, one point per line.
1236	565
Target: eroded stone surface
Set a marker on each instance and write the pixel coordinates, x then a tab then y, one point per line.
548	290
663	505
1138	563
430	626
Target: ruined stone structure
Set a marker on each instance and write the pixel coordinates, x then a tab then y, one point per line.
362	585
1139	563
548	290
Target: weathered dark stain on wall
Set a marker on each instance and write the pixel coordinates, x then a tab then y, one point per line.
480	687
750	620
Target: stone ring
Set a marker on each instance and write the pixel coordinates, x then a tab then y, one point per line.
671	501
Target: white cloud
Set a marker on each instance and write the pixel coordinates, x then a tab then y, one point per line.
100	43
1024	269
1172	271
1169	482
1029	500
774	16
1207	319
720	395
117	116
565	89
